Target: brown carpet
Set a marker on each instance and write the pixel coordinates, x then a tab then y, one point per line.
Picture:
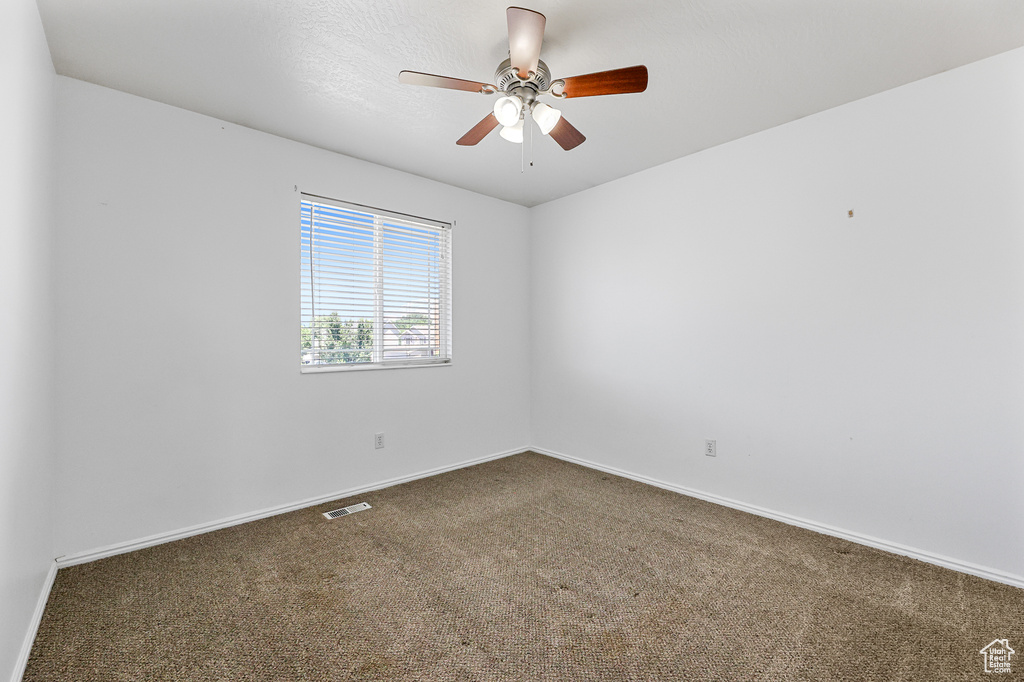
525	568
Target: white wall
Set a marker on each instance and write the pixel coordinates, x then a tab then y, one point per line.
26	378
866	373
180	400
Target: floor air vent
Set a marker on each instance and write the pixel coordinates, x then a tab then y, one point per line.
351	509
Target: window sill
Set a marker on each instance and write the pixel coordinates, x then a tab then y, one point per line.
367	366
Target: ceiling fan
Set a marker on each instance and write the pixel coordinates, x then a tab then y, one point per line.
523	78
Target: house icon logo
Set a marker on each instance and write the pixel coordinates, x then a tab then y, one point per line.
997	656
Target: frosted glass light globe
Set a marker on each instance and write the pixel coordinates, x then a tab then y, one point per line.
507	110
513	133
545	116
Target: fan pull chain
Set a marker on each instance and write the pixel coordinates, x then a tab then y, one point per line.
531	146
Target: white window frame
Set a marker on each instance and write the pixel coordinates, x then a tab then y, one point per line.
434	275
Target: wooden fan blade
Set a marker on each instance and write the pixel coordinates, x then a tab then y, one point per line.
525	35
566	135
479	131
614	82
429	79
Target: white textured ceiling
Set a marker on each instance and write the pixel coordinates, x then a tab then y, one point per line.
325	72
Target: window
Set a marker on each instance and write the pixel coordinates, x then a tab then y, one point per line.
376	288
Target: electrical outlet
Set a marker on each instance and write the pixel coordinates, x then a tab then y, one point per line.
711	448
378	440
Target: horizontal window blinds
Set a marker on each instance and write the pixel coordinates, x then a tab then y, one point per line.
376	287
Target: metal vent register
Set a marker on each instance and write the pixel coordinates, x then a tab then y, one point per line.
345	511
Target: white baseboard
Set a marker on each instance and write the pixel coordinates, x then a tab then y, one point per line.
33	627
894	548
160	538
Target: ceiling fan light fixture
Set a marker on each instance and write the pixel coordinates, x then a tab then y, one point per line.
513	133
522	78
546	117
508	110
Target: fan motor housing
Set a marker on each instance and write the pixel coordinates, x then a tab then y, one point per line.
506	78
